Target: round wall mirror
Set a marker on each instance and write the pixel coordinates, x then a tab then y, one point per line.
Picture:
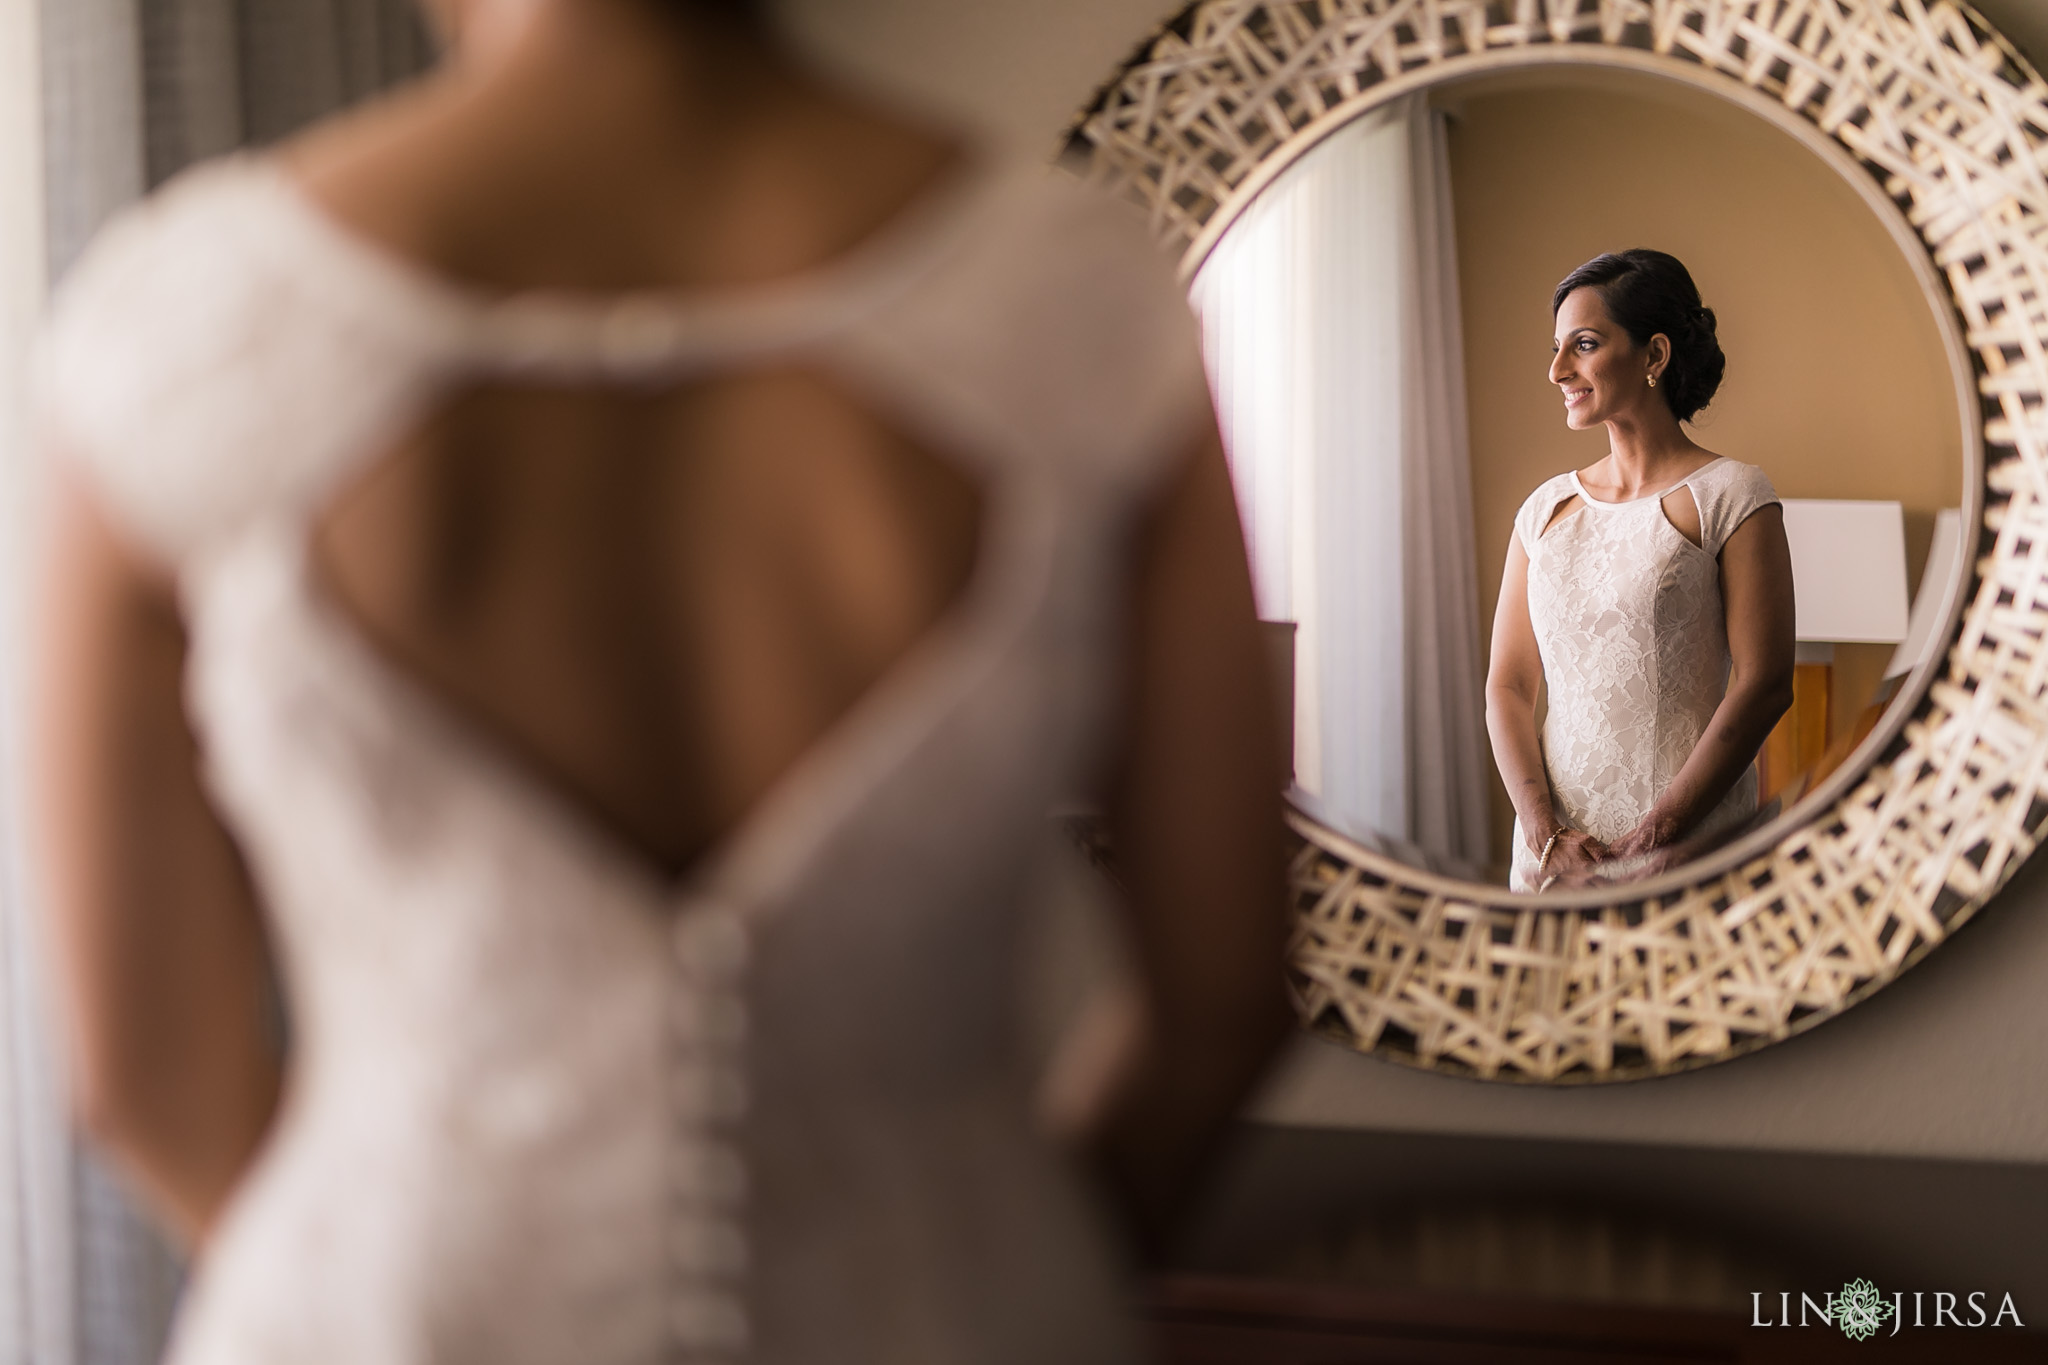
1372	204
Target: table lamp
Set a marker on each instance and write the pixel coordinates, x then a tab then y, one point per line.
1922	635
1848	587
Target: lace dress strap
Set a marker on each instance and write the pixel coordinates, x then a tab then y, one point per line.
1727	493
1537	509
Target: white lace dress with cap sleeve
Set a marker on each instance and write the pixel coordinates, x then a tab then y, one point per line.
546	1105
1633	636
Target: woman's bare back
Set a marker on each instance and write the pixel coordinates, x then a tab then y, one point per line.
662	599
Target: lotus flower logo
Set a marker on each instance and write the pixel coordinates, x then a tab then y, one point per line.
1860	1310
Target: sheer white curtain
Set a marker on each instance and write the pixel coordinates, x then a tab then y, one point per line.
1449	762
104	99
36	1246
1330	321
135	90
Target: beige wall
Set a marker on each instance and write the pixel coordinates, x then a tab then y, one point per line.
1837	383
1018	70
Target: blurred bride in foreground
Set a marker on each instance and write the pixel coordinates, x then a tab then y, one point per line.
594	571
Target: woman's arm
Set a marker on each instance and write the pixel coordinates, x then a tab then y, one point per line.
161	956
1199	848
1756	592
1514	677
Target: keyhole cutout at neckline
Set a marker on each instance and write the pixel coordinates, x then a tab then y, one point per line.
1678	506
656	609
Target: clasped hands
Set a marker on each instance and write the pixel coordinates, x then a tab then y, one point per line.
1577	859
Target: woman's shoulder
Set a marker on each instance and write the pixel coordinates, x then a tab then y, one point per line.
160	255
1537	507
1557	485
1061	316
1727	492
1727	476
1051	243
207	345
162	294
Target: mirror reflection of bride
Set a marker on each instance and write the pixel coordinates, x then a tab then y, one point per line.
1649	596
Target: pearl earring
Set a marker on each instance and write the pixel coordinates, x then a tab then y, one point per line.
1653	381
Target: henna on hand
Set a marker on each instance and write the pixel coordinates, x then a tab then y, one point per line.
1654	832
1574	853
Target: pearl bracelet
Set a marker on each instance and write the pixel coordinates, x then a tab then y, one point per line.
1543	858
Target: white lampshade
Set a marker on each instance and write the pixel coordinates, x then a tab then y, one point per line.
1848	570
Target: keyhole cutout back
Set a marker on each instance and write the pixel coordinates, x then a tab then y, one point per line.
657	604
657	593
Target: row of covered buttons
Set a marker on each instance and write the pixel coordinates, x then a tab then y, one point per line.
707	1234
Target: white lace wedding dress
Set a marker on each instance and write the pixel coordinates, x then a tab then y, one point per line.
545	1106
1634	639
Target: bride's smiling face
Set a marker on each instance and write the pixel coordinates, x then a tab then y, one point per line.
1598	368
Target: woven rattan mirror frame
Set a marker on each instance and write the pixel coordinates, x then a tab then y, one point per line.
1942	127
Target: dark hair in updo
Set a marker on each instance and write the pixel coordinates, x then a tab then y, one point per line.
1647	292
